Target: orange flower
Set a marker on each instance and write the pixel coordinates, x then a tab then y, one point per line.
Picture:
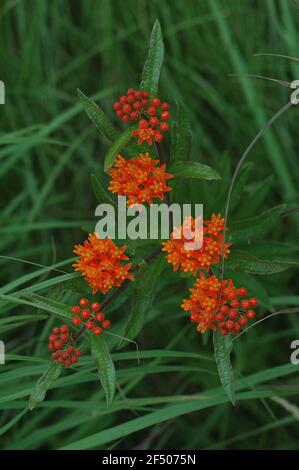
213	302
203	302
100	263
209	253
146	133
140	179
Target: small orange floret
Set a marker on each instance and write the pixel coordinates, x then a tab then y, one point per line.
100	263
147	134
140	179
194	259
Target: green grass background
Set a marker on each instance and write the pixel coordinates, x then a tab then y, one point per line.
48	148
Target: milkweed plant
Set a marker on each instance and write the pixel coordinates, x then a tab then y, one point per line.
148	162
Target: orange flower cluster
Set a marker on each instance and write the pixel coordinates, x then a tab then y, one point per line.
193	259
100	263
140	179
214	303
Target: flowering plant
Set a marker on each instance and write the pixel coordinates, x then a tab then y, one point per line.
148	162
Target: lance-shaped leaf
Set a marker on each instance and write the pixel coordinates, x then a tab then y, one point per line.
257	192
183	169
98	117
100	192
105	366
144	290
119	144
181	135
43	384
255	226
240	185
222	351
278	250
62	311
242	261
153	63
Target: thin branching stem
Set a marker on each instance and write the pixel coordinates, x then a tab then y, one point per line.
289	310
260	134
167	195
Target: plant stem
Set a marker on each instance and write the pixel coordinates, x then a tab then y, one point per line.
167	195
155	253
260	134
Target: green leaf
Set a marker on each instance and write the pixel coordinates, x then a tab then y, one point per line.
182	135
13	285
183	169
44	382
105	366
238	193
280	251
242	261
10	424
186	404
222	352
255	226
100	192
98	117
121	142
144	289
257	193
219	195
153	63
89	227
43	303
